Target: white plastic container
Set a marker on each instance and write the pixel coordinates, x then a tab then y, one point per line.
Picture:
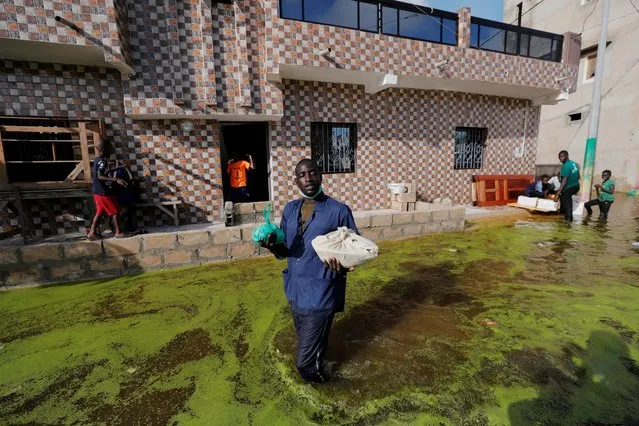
550	205
527	201
397	188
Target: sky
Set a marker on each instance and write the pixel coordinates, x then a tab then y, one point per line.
487	9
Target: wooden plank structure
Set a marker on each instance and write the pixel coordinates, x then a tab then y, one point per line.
499	190
15	194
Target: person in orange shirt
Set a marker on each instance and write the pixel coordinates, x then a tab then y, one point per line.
237	169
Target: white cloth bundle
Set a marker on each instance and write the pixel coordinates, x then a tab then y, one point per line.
346	246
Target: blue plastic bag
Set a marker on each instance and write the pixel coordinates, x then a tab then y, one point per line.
262	232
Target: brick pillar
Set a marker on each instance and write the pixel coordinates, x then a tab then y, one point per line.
571	52
463	27
242	66
271	35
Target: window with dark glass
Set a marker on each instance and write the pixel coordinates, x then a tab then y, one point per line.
389	20
474	35
333	146
469	147
449	31
291	9
491	38
368	17
419	26
335	12
540	47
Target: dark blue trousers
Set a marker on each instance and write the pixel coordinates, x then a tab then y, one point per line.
312	339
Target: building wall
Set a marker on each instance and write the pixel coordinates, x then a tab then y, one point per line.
618	137
358	50
169	162
103	21
402	135
196	58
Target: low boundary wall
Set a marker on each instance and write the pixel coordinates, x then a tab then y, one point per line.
75	260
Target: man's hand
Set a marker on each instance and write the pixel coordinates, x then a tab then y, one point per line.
269	242
121	182
334	265
597	186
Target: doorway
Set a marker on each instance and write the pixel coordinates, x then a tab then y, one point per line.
245	139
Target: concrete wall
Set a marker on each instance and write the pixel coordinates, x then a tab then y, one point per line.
618	139
69	261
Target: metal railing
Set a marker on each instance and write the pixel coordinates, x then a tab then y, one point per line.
515	40
381	16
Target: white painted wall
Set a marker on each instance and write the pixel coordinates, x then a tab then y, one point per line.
618	139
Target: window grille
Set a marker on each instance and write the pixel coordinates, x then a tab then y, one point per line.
469	147
333	147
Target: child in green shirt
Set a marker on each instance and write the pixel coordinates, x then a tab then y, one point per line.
605	195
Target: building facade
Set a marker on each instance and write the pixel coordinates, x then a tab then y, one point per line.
374	91
565	125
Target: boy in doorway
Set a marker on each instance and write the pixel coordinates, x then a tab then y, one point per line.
605	195
237	169
105	202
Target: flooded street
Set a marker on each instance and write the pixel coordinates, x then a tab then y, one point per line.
528	321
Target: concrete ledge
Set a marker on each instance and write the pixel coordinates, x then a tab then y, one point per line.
74	260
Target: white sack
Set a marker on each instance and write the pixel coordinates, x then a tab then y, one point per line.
346	246
527	201
548	204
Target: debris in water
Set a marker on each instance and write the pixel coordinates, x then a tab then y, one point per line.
489	322
131	370
634	244
452	250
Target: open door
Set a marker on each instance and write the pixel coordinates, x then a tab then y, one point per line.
245	139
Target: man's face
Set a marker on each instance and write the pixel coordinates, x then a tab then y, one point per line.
563	157
544	180
605	175
308	179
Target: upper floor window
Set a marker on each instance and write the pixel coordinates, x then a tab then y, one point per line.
590	65
392	18
333	146
469	147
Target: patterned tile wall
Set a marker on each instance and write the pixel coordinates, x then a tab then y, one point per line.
105	21
194	58
357	50
402	134
169	162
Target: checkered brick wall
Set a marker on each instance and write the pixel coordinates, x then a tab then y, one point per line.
194	58
357	50
104	20
169	162
402	134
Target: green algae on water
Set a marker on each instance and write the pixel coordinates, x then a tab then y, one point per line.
510	323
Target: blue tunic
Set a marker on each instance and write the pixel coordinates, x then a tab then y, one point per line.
310	286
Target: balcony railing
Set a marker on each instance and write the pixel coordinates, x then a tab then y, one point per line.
515	40
381	16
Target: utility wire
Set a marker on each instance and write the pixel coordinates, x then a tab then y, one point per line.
500	31
633	5
587	17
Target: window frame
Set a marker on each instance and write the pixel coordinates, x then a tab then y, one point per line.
352	126
483	135
588	59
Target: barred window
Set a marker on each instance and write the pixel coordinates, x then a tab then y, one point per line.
469	147
333	147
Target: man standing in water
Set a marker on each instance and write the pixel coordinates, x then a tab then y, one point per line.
315	290
569	184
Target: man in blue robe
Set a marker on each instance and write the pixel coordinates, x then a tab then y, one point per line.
315	290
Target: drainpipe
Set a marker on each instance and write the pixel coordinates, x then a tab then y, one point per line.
591	142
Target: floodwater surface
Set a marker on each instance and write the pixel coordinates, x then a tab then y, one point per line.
533	321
